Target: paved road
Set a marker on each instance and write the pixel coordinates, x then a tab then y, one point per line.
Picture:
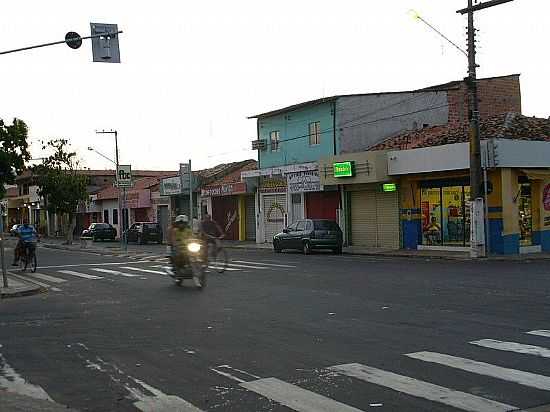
281	332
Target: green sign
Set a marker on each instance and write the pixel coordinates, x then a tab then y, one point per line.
343	169
389	187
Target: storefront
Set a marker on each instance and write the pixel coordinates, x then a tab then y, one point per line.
227	205
274	201
370	198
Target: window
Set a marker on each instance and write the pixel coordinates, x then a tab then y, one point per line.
309	225
292	227
115	216
275	140
326	225
106	216
301	225
314	133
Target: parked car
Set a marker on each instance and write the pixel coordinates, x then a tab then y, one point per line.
100	231
143	232
13	229
310	234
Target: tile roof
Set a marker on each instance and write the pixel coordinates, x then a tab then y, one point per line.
111	192
503	126
235	175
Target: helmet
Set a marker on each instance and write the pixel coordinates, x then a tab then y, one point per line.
182	219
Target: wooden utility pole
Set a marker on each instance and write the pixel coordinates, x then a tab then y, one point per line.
476	186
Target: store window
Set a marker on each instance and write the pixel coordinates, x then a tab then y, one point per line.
445	215
525	215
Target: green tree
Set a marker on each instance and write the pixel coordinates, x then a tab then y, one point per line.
60	183
13	152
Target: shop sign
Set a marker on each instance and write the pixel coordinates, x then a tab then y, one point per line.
124	176
170	186
546	197
273	185
389	187
307	181
136	199
227	189
344	169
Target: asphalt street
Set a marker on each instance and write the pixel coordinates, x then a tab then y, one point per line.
281	332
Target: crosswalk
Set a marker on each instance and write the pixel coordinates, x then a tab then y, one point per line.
53	277
297	398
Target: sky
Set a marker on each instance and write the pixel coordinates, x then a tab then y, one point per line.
193	71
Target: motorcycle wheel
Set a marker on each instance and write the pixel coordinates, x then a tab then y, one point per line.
199	275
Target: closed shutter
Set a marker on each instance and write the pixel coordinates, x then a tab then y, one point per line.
363	219
387	216
250	218
274	211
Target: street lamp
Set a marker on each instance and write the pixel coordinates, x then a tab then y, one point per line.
101	154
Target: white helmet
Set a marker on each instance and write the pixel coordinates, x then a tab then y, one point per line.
182	219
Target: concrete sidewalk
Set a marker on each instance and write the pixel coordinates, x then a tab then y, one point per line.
18	286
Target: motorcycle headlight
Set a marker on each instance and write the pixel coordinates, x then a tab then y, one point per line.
194	247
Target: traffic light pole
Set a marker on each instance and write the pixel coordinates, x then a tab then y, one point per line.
2	256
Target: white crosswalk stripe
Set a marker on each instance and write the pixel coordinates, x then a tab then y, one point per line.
544	333
228	268
47	278
294	397
512	375
236	265
156	272
264	264
80	275
421	389
513	347
116	272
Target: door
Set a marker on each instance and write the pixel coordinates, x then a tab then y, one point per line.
297	207
274	211
387	220
285	239
250	218
297	235
225	213
322	205
162	218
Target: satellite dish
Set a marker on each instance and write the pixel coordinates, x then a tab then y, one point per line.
73	40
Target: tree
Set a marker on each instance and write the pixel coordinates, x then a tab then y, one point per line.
60	183
13	152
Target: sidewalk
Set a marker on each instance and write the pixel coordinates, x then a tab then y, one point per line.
19	403
17	287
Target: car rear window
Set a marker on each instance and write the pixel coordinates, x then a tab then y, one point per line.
153	226
325	225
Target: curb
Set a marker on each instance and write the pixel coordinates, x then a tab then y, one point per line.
25	291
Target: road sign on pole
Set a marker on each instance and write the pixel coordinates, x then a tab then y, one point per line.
105	43
124	176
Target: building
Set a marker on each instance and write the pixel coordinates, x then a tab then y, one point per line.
291	141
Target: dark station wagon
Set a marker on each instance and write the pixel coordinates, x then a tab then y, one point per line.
310	234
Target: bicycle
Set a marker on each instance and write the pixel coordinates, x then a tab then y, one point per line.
217	256
28	257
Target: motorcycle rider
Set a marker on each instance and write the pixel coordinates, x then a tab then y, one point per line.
27	238
180	232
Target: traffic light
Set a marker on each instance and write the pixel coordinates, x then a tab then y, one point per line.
105	43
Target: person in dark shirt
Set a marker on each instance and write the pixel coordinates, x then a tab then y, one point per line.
210	231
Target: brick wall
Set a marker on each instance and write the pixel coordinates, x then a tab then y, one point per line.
496	96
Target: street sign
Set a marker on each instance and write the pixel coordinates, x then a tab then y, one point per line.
124	176
105	48
73	40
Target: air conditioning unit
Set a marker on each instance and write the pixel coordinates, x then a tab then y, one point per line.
259	144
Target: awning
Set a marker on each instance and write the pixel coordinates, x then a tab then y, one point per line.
537	174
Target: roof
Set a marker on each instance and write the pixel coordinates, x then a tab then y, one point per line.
111	192
221	170
510	125
440	87
88	172
235	175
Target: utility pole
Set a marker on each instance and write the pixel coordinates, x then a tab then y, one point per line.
2	257
476	184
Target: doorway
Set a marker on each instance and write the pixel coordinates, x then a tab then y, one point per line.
525	204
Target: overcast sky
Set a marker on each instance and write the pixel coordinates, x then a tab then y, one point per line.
192	71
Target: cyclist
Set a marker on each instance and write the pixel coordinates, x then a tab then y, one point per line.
27	241
210	232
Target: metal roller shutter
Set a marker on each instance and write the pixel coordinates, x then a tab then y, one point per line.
363	219
387	214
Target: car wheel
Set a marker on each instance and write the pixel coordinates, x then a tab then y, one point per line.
276	247
306	248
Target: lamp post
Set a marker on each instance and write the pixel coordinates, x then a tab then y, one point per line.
120	202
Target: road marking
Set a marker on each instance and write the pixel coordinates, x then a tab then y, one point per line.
47	278
512	375
26	279
294	397
236	265
89	264
421	389
228	269
116	272
160	402
544	333
80	275
264	264
227	375
157	272
513	347
13	382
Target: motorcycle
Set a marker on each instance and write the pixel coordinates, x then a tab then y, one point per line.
189	264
